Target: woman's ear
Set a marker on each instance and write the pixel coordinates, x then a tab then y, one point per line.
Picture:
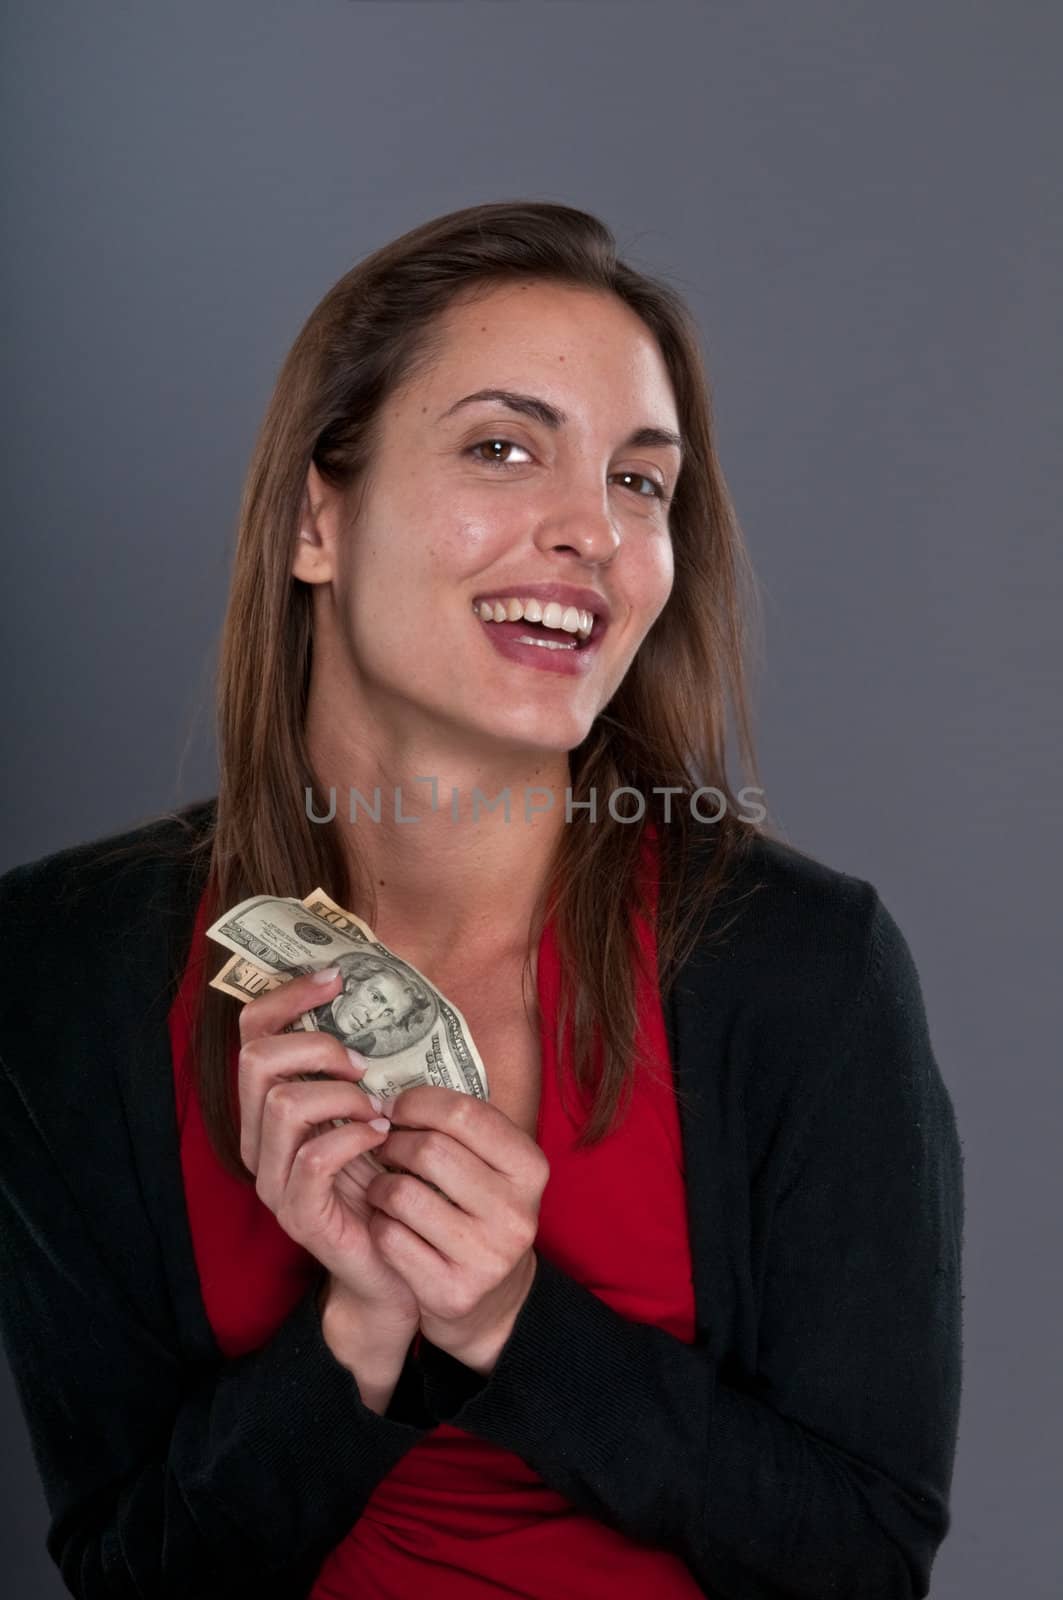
314	546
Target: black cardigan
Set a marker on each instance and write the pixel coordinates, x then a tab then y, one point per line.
802	1446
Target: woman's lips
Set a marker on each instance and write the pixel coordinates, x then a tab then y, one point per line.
571	662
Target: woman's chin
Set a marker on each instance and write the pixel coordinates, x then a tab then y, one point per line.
540	737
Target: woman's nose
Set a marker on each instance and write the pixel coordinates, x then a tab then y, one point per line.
583	524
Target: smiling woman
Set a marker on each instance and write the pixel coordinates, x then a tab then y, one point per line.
565	518
676	1309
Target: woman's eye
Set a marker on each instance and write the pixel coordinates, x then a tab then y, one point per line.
656	490
495	461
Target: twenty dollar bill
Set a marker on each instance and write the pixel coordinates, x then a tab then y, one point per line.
386	1010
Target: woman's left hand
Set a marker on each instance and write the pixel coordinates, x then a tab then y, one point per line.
467	1254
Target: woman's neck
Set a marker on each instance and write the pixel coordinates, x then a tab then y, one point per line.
463	843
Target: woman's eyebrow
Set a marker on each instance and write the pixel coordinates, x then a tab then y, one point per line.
529	405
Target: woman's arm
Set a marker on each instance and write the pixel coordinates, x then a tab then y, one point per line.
831	1474
371	1355
233	1478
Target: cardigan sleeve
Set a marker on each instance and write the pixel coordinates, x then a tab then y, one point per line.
163	1478
829	1473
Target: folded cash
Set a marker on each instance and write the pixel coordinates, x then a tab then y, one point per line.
386	1010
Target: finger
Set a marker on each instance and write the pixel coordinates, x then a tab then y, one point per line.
427	1273
307	1207
461	1177
269	1012
475	1123
292	1115
457	1237
266	1060
487	1224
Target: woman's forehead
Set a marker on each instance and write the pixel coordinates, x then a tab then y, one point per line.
541	324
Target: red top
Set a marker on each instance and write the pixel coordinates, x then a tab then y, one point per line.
458	1517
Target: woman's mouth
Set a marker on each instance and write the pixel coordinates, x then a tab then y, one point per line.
532	643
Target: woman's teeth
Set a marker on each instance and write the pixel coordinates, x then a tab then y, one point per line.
552	615
546	644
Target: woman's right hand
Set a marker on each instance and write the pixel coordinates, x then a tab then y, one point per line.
314	1182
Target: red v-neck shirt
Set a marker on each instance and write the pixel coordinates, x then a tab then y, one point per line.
458	1517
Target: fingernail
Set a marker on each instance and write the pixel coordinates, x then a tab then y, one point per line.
380	1122
357	1061
326	975
376	1102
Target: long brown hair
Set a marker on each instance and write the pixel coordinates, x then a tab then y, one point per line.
665	728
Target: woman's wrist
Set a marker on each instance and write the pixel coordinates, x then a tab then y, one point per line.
371	1347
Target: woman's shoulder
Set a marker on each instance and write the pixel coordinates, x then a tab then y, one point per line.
794	950
90	940
802	977
96	924
779	909
97	873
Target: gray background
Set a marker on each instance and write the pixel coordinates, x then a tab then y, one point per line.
861	204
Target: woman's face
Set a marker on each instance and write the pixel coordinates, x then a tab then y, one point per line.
441	526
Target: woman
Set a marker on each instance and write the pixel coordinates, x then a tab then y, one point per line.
683	1307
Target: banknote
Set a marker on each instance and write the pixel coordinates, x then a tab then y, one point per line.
388	1011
